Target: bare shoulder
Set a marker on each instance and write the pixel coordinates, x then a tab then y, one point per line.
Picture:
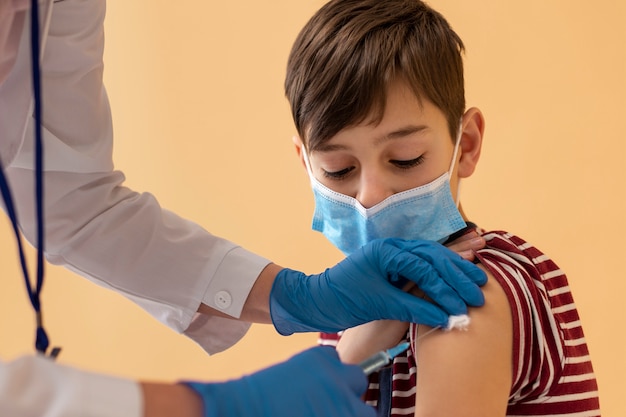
468	373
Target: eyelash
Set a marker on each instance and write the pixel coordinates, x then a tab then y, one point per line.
340	175
408	164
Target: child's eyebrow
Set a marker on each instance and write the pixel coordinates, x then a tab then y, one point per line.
402	132
329	147
395	134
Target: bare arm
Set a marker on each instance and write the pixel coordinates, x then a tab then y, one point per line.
166	400
468	373
461	373
360	342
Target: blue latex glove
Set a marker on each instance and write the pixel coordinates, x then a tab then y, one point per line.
365	287
313	383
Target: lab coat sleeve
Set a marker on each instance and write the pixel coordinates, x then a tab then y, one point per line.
117	238
35	386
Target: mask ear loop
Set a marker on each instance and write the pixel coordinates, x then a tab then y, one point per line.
307	163
457	145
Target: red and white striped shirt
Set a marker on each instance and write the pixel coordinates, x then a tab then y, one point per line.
552	371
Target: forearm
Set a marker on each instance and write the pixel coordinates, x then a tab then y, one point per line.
166	400
360	342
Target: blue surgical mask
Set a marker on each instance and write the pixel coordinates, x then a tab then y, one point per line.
427	212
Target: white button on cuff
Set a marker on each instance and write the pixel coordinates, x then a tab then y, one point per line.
223	299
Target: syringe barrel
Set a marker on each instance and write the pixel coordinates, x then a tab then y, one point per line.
375	362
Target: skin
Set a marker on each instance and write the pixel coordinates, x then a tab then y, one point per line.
410	147
163	399
166	400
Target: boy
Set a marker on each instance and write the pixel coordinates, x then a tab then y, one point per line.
377	95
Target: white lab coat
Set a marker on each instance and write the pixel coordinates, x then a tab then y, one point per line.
113	236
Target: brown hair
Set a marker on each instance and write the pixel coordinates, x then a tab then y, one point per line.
349	52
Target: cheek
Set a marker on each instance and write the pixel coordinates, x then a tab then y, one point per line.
431	169
408	181
349	186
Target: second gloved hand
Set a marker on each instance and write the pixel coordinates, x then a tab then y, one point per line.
311	384
365	287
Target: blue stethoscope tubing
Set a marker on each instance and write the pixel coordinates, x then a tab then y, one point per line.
34	294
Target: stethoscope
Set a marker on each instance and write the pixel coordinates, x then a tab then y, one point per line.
34	293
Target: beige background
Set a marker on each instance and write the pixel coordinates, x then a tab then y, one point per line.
201	122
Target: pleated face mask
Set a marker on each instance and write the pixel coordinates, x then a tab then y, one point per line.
427	212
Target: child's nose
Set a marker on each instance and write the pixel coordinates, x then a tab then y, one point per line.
372	191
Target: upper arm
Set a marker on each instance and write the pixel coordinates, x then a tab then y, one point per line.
468	373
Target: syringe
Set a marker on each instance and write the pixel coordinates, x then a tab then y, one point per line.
382	358
379	360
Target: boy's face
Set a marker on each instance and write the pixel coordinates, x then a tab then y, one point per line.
410	147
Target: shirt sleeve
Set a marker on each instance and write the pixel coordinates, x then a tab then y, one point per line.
95	226
36	386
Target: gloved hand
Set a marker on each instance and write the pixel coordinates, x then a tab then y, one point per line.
313	383
365	287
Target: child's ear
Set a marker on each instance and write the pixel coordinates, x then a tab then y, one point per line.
299	146
471	141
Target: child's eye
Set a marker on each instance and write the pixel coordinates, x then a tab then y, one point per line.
338	175
408	164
